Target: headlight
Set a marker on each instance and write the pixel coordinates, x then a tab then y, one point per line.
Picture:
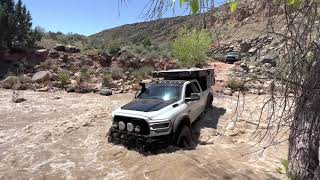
122	125
160	125
130	127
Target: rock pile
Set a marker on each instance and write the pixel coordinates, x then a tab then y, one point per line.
63	67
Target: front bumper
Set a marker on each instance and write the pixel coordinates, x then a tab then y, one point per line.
133	140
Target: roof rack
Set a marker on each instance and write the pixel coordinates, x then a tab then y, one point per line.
183	73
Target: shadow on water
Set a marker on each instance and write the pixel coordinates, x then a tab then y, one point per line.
209	119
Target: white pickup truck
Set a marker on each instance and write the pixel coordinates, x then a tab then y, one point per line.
163	111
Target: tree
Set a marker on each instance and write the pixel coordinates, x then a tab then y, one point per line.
191	47
16	27
7	23
300	80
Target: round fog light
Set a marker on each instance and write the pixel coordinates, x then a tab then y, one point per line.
137	129
115	125
122	125
130	127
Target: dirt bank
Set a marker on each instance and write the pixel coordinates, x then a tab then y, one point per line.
62	136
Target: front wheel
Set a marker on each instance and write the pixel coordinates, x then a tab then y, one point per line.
184	139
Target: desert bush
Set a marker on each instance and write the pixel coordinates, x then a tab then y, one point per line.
46	64
84	75
64	77
116	73
106	78
114	47
146	42
153	55
191	47
235	84
142	72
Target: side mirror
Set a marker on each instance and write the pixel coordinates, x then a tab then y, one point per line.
193	97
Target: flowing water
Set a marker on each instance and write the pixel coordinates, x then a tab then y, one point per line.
62	136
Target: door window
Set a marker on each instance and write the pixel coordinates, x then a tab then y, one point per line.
195	87
192	88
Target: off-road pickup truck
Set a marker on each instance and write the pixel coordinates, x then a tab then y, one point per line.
232	57
163	111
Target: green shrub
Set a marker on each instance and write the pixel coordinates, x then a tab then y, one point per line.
235	84
84	75
64	77
146	42
191	47
114	48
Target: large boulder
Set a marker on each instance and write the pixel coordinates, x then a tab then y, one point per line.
72	49
9	82
60	47
105	59
54	54
42	52
42	76
105	91
269	59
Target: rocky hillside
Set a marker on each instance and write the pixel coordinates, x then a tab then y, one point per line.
65	67
246	22
163	30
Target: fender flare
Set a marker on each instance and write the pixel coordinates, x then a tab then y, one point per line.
183	120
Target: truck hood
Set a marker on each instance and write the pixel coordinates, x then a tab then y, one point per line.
147	105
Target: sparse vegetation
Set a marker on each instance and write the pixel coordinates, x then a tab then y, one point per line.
191	47
235	84
142	73
151	52
64	77
106	78
84	75
116	73
146	42
114	47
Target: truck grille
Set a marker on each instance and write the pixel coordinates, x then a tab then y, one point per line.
145	130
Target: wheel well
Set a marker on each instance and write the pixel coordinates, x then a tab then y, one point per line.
184	121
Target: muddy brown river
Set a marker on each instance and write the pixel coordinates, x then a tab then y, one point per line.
62	136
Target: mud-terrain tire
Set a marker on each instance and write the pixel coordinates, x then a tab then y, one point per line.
209	102
184	137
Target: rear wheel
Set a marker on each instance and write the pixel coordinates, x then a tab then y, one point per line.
184	137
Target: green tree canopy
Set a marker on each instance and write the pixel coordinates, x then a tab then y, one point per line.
191	47
15	26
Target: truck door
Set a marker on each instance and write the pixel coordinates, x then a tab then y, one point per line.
200	103
193	106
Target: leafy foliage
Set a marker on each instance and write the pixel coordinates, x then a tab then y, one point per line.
64	77
146	42
191	47
16	27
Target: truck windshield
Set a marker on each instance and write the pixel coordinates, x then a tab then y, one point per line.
161	92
